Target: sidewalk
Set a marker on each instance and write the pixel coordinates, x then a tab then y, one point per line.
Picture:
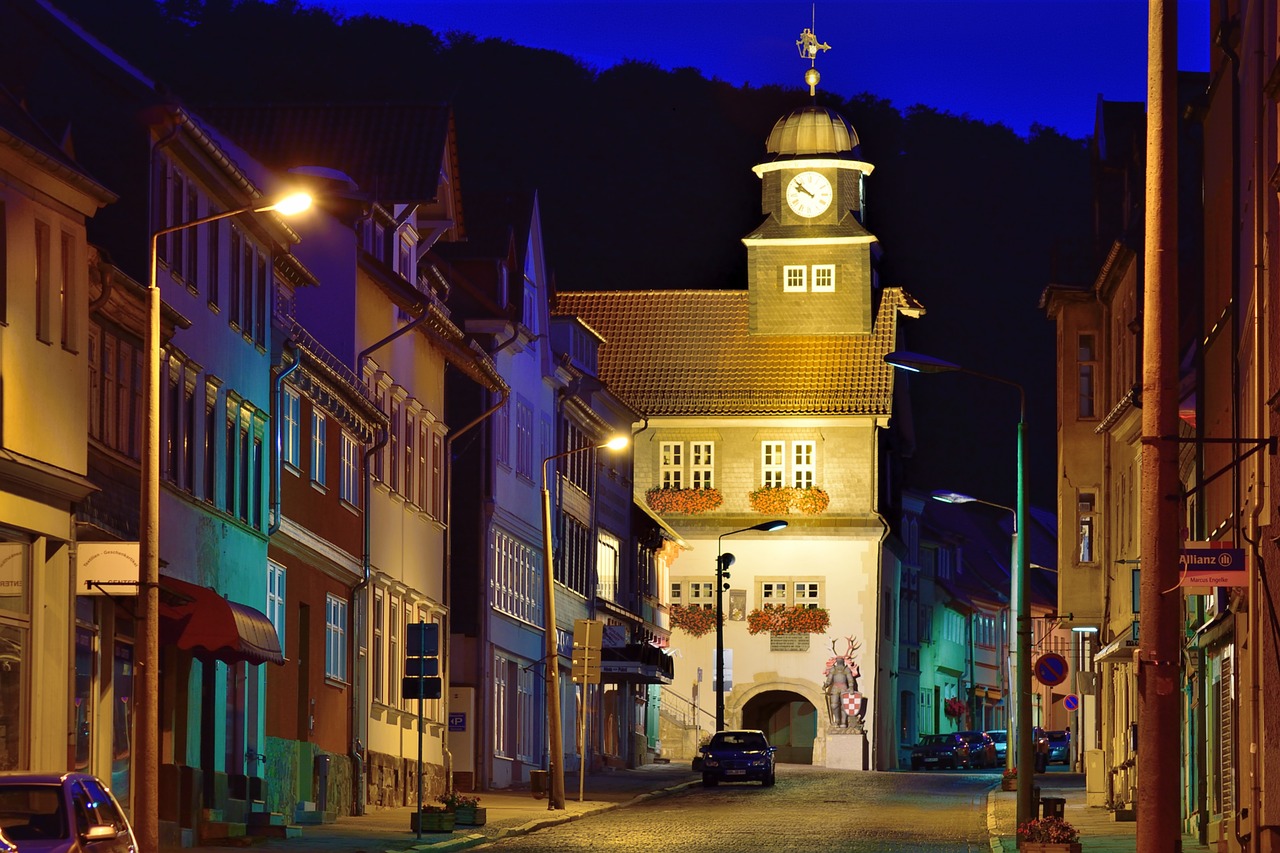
510	812
1099	832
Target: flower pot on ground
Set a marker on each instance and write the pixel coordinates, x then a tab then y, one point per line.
471	815
433	820
1009	780
1048	835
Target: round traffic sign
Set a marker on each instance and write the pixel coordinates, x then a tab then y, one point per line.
1051	669
1071	702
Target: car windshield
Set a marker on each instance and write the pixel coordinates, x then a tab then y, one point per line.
739	740
998	737
937	740
32	812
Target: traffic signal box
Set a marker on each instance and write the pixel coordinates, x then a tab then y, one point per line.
422	661
588	636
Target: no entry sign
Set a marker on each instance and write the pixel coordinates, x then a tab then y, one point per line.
1050	669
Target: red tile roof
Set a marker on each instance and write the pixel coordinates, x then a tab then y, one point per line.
688	352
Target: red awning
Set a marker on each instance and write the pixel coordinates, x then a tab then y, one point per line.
197	619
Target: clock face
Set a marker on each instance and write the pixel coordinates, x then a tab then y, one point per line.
809	193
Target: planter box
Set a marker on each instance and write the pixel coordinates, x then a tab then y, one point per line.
432	822
471	815
1008	784
1049	846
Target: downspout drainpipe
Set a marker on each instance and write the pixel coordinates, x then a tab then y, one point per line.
881	757
359	699
278	393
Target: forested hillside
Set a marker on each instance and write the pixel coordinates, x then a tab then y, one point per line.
645	179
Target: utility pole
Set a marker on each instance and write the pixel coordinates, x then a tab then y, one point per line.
1159	648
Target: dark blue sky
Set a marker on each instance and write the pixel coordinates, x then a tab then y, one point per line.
1016	62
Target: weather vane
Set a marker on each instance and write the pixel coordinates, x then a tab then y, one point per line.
809	47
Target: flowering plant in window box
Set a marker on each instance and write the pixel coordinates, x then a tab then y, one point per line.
780	500
811	501
769	500
788	620
693	620
687	501
955	708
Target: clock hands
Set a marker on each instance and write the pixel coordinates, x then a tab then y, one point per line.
802	188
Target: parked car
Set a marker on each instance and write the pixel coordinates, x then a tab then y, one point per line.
982	749
62	813
946	750
1059	747
1000	737
741	755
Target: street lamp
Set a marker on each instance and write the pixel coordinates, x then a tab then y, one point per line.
147	688
917	363
958	498
723	562
551	663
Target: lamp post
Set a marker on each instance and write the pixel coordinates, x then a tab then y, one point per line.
723	562
147	688
551	663
958	498
917	363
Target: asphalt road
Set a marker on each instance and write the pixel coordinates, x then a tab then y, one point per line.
810	810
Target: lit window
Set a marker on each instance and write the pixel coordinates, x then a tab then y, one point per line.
275	599
794	279
802	466
1087	359
335	644
318	425
701	464
349	487
672	465
291	429
824	278
772	464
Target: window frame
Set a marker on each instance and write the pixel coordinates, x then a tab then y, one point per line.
335	638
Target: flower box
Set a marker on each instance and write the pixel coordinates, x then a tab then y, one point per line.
683	501
781	500
432	821
693	620
788	620
471	815
1049	847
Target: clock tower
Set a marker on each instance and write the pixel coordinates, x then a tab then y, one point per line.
809	263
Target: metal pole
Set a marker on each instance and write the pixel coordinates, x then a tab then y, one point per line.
146	775
1159	648
551	665
1026	744
717	677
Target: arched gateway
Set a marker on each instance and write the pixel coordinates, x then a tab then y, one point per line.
790	721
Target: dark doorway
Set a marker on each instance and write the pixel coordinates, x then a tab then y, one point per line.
790	721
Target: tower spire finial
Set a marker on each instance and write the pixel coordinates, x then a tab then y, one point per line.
809	47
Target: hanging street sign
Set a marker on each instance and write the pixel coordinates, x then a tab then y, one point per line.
1050	669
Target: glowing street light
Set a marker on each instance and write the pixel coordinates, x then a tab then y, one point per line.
147	763
917	363
551	663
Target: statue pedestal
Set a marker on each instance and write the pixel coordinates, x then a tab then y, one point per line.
847	750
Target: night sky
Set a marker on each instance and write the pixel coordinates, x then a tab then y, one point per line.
1016	62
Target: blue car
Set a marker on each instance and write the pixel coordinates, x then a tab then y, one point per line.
742	755
62	813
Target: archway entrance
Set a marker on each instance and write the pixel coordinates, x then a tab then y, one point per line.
790	721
